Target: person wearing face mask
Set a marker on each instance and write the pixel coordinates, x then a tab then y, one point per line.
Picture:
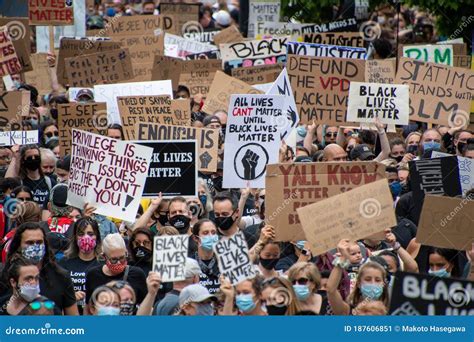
179	215
398	151
455	138
445	263
116	268
279	297
82	255
155	216
306	282
49	133
205	197
140	246
30	242
226	214
63	166
267	260
430	141
205	236
248	297
105	301
195	300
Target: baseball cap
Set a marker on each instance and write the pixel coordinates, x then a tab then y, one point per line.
195	293
85	93
362	152
222	18
192	268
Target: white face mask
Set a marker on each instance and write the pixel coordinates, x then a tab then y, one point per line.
29	292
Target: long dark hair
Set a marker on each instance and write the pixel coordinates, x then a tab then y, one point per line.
135	232
451	255
23	150
17	262
79	227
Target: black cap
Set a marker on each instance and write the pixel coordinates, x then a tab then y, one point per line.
362	152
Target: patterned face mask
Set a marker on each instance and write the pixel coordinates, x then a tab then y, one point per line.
86	243
35	252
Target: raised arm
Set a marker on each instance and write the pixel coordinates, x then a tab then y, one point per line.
383	141
143	220
338	304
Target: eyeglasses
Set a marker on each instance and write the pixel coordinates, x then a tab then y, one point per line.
48	305
301	281
114	261
50	134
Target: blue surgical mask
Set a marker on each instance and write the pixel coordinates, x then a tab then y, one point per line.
395	189
108	311
300	244
35	252
371	291
431	145
302	291
245	302
203	199
301	130
47	140
208	242
205	309
442	273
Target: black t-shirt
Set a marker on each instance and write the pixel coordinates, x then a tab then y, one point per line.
407	208
40	189
136	278
209	276
57	286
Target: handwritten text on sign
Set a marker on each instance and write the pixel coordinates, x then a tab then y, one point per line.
169	257
9	62
50	12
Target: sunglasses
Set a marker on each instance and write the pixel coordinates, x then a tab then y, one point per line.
331	135
301	281
48	305
50	134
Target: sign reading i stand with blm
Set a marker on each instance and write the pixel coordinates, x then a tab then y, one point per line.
426	295
169	257
252	138
173	168
233	258
107	173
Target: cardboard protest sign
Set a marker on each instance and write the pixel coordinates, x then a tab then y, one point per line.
262	11
198	75
51	12
258	74
252	139
186	46
233	258
228	35
321	50
18	29
109	92
169	257
173	168
446	223
388	102
353	39
380	71
321	87
466	170
14	105
186	16
271	29
353	215
39	76
421	294
108	174
438	94
11	138
89	117
462	62
151	109
167	68
9	62
221	88
207	140
291	186
99	68
440	54
137	25
71	47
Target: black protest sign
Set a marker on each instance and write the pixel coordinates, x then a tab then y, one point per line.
212	54
420	294
169	257
173	168
233	258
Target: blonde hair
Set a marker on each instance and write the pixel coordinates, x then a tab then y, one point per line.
372	308
355	297
113	241
410	135
168	230
47	154
307	268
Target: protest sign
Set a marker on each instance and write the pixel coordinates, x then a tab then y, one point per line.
253	61
254	48
466	170
380	71
167	68
233	258
462	62
221	88
186	16
186	46
340	25
108	174
71	47
39	76
291	186
212	54
228	35
9	62
99	68
109	92
195	33
446	223
353	39
440	54
321	87
438	94
388	102
138	25
50	12
421	294
252	138
271	29
257	74
152	109
198	75
321	50
207	140
11	138
18	29
14	105
353	215
173	168
262	11
169	257
89	117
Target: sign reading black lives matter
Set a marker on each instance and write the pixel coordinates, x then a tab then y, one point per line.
420	294
173	168
252	138
169	257
233	258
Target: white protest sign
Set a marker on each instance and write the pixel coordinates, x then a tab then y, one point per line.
11	138
263	87
233	258
323	50
72	93
260	12
171	50
108	174
282	86
186	46
108	93
441	54
388	102
466	170
269	29
169	257
259	48
252	138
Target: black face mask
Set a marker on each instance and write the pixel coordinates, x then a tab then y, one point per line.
224	223
141	253
127	309
163	219
461	146
180	222
32	164
269	264
398	158
54	113
274	310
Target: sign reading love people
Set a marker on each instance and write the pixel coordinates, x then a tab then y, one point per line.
108	174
